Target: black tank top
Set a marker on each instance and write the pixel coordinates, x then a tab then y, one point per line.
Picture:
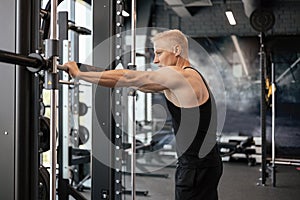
195	131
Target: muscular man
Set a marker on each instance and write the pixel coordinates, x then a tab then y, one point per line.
190	103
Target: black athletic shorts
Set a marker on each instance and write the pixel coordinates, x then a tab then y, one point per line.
197	183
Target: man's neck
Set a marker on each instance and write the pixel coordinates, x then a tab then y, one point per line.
181	62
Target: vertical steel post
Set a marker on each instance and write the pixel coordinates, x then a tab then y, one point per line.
132	95
133	32
273	125
53	105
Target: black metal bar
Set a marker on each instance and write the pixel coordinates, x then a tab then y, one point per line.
26	169
18	59
63	184
263	108
79	160
35	26
103	176
75	193
34	135
138	193
157	165
149	175
34	138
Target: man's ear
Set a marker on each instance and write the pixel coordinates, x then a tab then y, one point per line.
177	50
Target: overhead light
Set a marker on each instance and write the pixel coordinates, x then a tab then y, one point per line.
230	17
240	54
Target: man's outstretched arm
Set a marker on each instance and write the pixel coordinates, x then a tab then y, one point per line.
146	81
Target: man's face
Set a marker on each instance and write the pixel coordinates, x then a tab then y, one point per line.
163	54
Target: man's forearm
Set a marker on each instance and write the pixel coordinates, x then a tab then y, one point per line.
92	77
110	78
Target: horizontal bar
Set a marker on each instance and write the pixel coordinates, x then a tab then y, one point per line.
18	59
82	67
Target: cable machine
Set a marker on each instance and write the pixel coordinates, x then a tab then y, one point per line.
31	181
104	184
262	21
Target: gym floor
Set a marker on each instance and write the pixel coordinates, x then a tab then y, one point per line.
239	181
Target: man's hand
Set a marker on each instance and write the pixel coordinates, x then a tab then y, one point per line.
73	69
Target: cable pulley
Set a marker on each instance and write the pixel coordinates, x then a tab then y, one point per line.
262	20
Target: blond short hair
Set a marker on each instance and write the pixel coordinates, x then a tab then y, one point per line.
173	37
